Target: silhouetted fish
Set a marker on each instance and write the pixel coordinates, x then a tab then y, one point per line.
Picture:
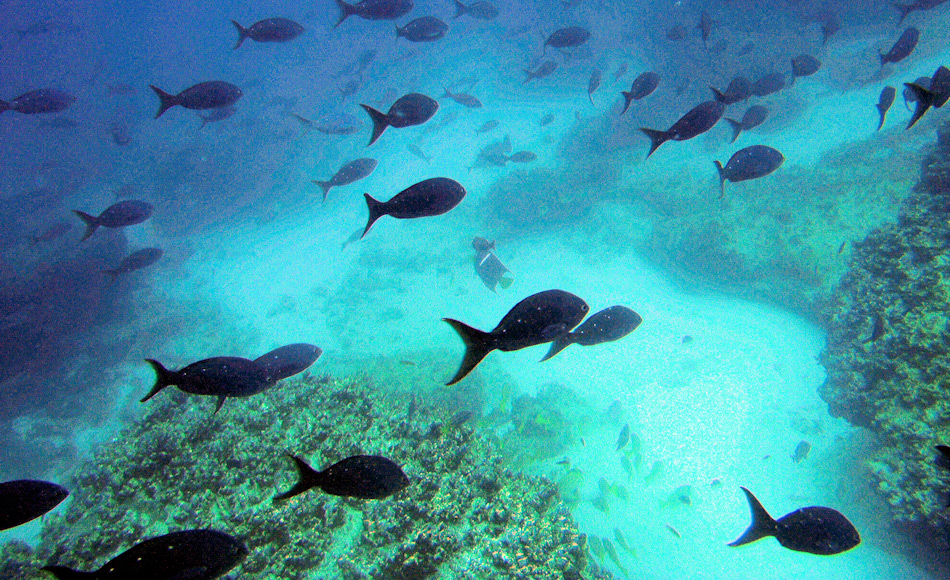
705	26
118	215
608	325
804	65
642	86
768	84
523	157
593	84
884	103
135	261
816	530
739	89
908	93
801	451
487	265
351	172
373	9
429	197
934	96
544	69
902	48
621	70
216	115
943	460
567	37
39	102
206	95
676	33
753	117
221	377
24	500
119	131
407	111
697	121
486	127
190	554
418	152
481	9
906	9
423	29
269	30
749	163
359	476
539	318
463	99
624	436
288	360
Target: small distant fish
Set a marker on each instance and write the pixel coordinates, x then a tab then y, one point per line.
494	154
289	360
359	476
621	70
612	554
373	9
569	37
480	9
749	163
547	119
596	546
593	84
268	30
804	65
673	531
608	325
206	95
686	339
829	28
53	232
544	69
350	87
624	437
697	121
801	451
884	103
135	261
902	48
537	319
117	215
24	500
487	265
816	530
39	102
676	33
463	99
418	152
221	377
643	86
350	173
768	84
906	9
486	127
423	29
878	328
523	157
753	117
622	542
46	27
409	110
565	462
429	197
216	115
705	27
119	131
739	89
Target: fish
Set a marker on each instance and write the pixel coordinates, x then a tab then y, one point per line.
206	95
216	115
350	88
118	215
493	154
547	120
936	95
608	325
418	152
480	9
902	48
749	163
350	173
135	261
593	84
705	27
909	96
268	30
24	500
656	471
804	65
739	89
627	466
46	27
221	377
878	328
289	360
373	9
55	231
697	121
768	84
676	33
463	99
596	546
487	265
188	554
612	554
569	37
673	531
753	117
624	437
39	102
642	86
119	131
523	157
539	318
621	70
829	28
487	126
423	29
358	476
409	110
906	9
622	542
884	103
943	460
816	530
801	451
544	69
429	197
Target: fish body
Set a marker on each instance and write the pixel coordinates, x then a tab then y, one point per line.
359	476
753	117
884	103
543	70
373	9
593	84
269	30
801	451
749	163
289	360
418	152
906	9
222	377
804	65
39	102
539	318
624	437
935	94
464	99
351	172
568	37
136	261
768	84
24	500
705	27
117	215
523	157
676	33
424	29
642	86
217	115
487	126
903	47
697	121
816	530
829	28
407	111
608	325
481	10
621	70
429	197
739	89
206	95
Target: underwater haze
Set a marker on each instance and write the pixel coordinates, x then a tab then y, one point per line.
438	289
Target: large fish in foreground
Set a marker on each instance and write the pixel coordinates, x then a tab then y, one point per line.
608	325
289	360
539	318
359	476
427	198
206	95
697	121
221	377
407	111
816	530
24	500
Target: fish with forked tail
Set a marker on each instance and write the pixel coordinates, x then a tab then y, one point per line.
697	121
221	377
206	95
749	163
359	476
429	197
608	325
884	103
487	265
268	30
407	111
373	9
135	261
643	86
349	173
118	215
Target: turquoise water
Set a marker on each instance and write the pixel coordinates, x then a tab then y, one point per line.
720	384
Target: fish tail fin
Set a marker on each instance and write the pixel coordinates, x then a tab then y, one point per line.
477	346
91	221
882	111
221	400
377	209
528	74
346	10
925	99
762	523
736	129
459	9
307	478
718	95
591	97
113	275
722	178
559	345
325	186
380	122
657	138
64	573
166	101
448	93
4	106
242	34
627	99
163	378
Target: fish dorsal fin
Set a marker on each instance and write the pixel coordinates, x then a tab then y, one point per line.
762	523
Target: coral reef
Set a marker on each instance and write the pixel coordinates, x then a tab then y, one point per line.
888	353
463	516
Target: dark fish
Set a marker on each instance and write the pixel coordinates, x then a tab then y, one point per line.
135	261
884	103
621	70
24	500
482	245
608	325
749	163
768	84
908	93
39	102
642	86
429	197
407	111
190	554
902	48
829	28
539	318
877	329
943	460
288	360
739	89
269	30
221	377
463	99
544	69
523	157
373	9
935	95
697	121
487	265
206	95
119	131
816	530
593	83
359	476
906	9
705	26
624	437
753	117
424	29
118	215
54	231
804	65
216	115
676	33
418	152
349	173
567	37
547	120
486	127
801	451
481	10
